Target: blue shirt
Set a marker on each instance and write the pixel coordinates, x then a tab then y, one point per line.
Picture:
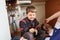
56	34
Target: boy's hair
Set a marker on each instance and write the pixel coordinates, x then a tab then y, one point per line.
30	9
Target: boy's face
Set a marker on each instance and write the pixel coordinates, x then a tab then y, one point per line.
31	15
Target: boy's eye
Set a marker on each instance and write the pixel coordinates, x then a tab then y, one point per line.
30	15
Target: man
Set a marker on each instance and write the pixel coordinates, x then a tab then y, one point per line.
56	32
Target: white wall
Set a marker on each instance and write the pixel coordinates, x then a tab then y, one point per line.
4	25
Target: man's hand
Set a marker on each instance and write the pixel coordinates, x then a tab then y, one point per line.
46	21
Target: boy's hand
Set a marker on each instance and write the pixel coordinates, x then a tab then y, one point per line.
36	31
31	30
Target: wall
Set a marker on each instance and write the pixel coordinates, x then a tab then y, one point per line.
40	6
4	25
52	6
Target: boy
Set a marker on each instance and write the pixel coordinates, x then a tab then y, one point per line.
29	21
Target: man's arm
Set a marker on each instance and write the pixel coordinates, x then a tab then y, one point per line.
55	15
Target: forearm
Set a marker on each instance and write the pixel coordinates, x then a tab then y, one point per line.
55	15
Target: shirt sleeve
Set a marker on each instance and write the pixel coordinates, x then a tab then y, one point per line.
36	23
23	26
